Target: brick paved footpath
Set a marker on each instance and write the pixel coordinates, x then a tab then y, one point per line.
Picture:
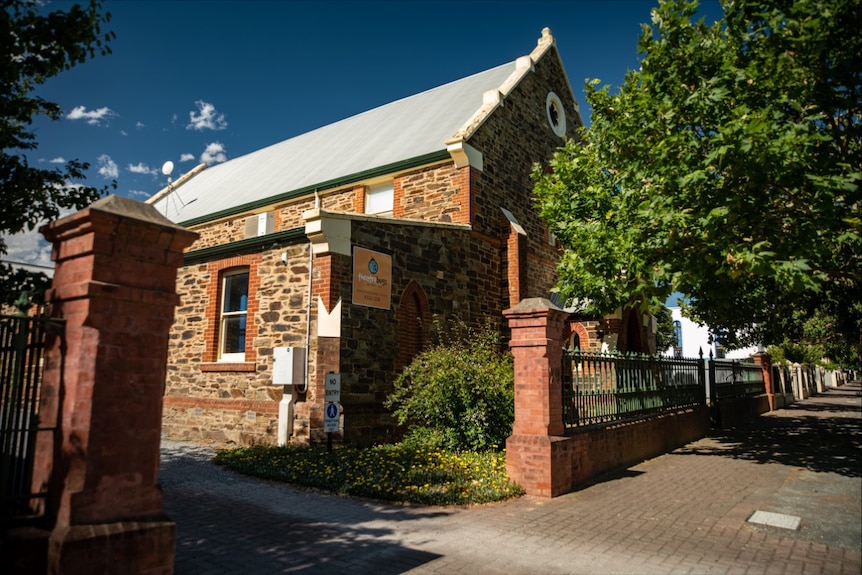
684	512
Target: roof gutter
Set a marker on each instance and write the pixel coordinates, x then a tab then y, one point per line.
269	241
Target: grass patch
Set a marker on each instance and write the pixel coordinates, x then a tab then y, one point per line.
389	472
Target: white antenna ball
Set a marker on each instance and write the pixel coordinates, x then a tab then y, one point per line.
167	168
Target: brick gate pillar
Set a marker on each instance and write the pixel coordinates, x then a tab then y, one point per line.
115	286
764	360
534	451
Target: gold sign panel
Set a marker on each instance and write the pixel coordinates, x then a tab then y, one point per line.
372	278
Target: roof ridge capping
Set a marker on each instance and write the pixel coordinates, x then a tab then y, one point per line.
492	99
174	185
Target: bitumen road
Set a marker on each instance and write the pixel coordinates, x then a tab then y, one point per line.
781	495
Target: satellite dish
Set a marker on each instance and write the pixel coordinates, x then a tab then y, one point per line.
167	168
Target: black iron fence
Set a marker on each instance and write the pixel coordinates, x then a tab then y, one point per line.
734	378
606	387
22	340
781	380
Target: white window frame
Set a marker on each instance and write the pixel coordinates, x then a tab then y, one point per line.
380	200
226	315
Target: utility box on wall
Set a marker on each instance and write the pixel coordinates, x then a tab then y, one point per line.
259	225
288	365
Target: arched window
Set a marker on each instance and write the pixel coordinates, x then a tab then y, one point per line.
414	320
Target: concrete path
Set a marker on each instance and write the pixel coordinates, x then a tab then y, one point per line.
684	512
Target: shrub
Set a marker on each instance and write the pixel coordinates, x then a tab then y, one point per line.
459	395
388	472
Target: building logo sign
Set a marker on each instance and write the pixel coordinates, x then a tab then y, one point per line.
372	278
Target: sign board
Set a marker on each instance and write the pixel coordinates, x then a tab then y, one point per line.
372	278
331	419
332	388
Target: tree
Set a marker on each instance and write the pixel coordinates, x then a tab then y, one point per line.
35	47
726	168
665	333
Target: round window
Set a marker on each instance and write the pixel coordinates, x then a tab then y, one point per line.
556	114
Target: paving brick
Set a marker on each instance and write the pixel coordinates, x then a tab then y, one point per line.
684	512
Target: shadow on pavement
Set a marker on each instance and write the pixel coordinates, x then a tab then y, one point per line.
819	436
227	523
237	537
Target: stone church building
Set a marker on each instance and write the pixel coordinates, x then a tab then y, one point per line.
324	260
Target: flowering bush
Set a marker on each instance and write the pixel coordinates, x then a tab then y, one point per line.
389	472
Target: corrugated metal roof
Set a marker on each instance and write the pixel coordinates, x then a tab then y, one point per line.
409	128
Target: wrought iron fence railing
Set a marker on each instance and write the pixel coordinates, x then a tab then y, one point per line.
781	379
606	387
734	378
22	340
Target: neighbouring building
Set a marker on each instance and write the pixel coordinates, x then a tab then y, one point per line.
692	339
326	258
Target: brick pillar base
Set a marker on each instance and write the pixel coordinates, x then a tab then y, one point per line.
540	464
764	360
537	452
124	547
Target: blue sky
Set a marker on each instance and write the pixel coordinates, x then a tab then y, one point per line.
205	81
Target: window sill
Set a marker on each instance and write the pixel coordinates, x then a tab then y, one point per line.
228	366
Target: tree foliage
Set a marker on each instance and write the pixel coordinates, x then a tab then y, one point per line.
460	394
37	45
727	167
665	334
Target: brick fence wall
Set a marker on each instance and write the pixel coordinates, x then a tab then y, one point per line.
540	456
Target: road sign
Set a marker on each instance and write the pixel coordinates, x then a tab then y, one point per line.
331	419
332	387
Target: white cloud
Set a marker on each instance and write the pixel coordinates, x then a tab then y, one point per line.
108	167
214	153
139	194
187	157
207	118
28	247
140	125
57	160
93	117
124	133
142	168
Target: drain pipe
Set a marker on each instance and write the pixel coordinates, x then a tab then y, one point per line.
289	396
307	320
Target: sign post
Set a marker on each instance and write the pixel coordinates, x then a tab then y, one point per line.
332	411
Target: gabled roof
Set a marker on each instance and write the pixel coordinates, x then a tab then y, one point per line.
411	131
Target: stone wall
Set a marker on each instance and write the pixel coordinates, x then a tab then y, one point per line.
514	138
209	400
458	275
439	193
472	274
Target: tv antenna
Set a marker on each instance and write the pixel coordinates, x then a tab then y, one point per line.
167	169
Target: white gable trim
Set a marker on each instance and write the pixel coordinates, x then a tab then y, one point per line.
493	99
466	155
